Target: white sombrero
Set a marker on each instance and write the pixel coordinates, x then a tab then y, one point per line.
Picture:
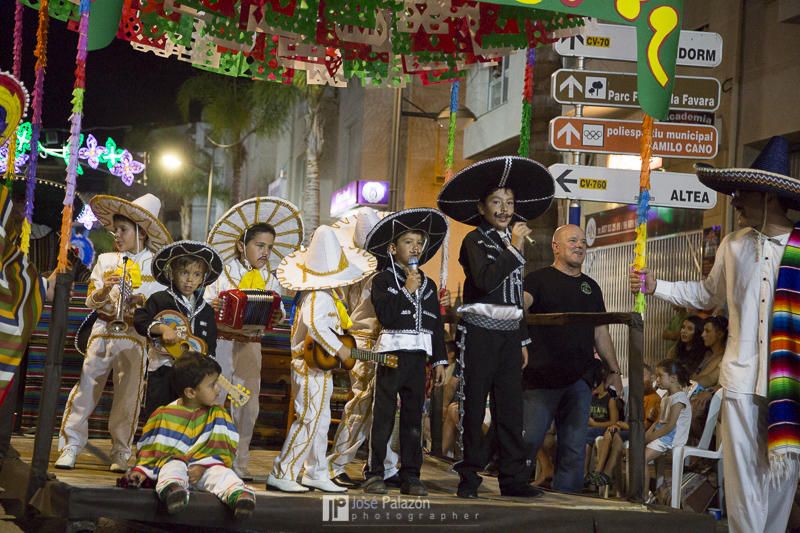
353	229
278	213
325	264
143	212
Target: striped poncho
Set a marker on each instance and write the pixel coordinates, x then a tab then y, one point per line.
784	363
203	436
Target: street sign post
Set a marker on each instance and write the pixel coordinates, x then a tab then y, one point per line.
611	41
618	89
607	136
600	184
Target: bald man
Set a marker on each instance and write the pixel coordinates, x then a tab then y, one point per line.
558	378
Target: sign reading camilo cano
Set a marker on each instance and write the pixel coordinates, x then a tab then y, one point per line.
618	89
600	184
606	136
611	41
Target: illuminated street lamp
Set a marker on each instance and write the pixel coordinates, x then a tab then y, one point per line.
173	162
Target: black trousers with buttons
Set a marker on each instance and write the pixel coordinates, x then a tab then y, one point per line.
407	381
493	368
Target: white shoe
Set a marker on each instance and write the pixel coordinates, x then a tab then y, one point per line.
325	485
285	485
67	458
119	462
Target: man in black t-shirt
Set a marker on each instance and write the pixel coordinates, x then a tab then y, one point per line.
561	363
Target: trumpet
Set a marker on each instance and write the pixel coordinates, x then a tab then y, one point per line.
118	325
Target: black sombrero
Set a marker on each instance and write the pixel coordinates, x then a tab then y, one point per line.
531	182
425	219
201	250
768	173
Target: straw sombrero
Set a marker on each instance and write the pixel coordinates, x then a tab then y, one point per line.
143	212
768	173
429	221
162	261
353	229
13	105
278	213
531	182
325	264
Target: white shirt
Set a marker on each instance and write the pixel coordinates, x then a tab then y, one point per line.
111	261
743	278
684	422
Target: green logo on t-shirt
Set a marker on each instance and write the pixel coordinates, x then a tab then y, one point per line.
586	288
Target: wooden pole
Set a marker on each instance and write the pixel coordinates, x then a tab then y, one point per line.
51	384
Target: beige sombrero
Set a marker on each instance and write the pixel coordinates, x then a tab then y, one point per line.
278	213
352	230
325	264
143	212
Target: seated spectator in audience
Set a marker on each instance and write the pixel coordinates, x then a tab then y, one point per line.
672	332
706	376
611	446
672	428
603	412
689	350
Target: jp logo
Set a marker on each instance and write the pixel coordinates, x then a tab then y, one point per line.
586	288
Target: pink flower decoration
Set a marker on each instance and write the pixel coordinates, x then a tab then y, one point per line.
92	152
127	168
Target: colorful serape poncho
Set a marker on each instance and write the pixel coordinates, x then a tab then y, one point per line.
784	363
203	436
21	298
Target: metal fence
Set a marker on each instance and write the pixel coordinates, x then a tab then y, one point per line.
674	257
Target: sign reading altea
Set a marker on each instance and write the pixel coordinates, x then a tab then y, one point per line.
607	136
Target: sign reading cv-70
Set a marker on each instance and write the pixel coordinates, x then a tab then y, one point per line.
600	184
618	89
612	41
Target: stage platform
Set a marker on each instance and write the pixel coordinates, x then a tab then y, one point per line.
82	496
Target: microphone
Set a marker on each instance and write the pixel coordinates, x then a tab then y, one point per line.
413	263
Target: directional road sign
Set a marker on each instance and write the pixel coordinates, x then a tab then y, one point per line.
607	136
600	184
612	41
618	89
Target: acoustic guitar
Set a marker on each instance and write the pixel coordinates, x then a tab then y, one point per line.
238	394
316	356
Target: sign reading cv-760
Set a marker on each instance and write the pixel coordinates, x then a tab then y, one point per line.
607	136
600	184
618	89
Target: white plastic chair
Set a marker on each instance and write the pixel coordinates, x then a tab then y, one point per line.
681	454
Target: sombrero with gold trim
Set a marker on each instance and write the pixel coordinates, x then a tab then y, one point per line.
143	212
325	264
352	230
531	182
13	104
768	173
277	212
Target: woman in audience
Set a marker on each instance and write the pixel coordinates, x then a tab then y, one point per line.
689	350
715	335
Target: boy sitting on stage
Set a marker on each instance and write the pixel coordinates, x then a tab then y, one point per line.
192	442
407	307
318	271
186	267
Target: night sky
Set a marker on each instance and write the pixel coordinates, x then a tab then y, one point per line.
123	87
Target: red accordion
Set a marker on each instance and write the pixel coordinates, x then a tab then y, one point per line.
249	307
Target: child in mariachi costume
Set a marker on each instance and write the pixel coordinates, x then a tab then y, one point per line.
192	442
252	238
755	275
356	421
114	345
186	267
407	307
498	196
320	272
